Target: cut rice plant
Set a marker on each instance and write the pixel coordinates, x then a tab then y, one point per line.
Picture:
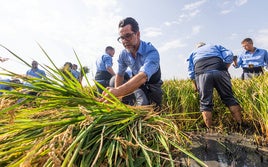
56	121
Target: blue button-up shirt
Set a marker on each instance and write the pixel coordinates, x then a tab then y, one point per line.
147	60
208	51
75	73
5	86
104	62
37	73
259	58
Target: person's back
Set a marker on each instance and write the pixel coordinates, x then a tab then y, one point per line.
208	68
207	57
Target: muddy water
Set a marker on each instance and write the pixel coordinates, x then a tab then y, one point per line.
234	150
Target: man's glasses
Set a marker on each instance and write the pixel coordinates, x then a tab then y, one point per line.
126	37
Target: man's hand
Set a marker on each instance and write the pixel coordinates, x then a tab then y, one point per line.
235	61
235	58
107	94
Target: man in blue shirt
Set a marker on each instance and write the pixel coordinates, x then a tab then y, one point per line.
143	60
208	68
252	60
76	73
35	71
6	86
104	68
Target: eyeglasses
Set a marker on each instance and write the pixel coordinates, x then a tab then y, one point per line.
126	37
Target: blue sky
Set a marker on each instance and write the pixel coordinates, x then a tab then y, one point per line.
88	26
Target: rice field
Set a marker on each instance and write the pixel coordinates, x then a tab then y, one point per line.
181	99
66	125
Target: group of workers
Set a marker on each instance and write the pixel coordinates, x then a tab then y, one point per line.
208	68
138	79
35	72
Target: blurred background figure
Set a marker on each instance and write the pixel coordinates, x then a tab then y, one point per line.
35	71
67	70
252	60
76	73
104	66
2	59
6	86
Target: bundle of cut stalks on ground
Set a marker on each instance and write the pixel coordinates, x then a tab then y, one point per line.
57	122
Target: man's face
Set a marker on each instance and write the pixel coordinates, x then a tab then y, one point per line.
74	67
34	64
248	46
111	52
129	39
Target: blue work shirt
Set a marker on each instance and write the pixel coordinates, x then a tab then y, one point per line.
147	60
5	86
37	73
259	58
75	73
104	62
205	51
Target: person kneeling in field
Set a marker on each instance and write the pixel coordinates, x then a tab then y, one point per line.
208	68
143	59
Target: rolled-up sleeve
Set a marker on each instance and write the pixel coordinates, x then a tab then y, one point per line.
108	61
266	57
121	64
191	72
227	55
151	63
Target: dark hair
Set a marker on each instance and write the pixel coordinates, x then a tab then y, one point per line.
34	62
69	64
108	48
15	81
248	40
129	20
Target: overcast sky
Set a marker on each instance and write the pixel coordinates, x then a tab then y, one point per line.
88	26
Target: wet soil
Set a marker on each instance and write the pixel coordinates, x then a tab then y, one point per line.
227	150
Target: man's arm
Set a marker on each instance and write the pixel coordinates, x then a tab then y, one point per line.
227	65
43	73
266	58
133	84
118	80
235	64
110	70
128	87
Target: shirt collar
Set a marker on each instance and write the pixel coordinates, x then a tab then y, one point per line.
256	50
140	50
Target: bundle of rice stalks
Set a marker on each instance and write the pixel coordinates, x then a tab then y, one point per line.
63	124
